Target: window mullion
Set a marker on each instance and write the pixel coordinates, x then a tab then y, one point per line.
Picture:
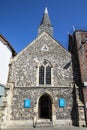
44	75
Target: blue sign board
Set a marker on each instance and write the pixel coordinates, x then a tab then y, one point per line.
27	103
61	102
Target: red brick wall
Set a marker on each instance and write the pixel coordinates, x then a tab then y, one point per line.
82	54
85	94
82	57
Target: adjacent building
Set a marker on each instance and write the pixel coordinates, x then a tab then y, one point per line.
6	53
78	49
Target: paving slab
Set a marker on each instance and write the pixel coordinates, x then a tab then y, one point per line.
47	128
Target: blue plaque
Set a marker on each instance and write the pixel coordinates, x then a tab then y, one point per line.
61	102
27	103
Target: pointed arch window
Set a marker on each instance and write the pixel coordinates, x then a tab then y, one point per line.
41	74
48	75
45	74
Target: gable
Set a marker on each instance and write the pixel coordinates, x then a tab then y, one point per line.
24	68
44	40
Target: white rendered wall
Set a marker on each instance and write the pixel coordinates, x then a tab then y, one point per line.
5	55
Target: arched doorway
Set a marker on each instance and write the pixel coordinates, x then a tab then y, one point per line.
45	107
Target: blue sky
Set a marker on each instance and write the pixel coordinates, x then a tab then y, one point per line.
20	19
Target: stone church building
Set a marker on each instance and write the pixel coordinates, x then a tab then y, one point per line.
44	86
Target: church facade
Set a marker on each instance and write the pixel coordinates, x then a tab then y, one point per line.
41	88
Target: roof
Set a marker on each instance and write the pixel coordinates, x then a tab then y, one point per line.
8	44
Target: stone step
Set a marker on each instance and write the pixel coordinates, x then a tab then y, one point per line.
44	121
43	125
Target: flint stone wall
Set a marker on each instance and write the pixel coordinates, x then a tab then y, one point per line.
21	113
24	67
24	73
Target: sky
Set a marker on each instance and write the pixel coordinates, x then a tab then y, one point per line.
20	19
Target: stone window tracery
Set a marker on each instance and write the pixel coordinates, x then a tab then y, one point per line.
45	73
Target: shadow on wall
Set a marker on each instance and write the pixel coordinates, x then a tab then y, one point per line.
74	113
77	80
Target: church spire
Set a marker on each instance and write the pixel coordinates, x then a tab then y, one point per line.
46	10
45	25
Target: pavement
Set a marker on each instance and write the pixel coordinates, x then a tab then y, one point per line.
49	128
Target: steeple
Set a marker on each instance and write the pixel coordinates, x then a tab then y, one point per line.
45	25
